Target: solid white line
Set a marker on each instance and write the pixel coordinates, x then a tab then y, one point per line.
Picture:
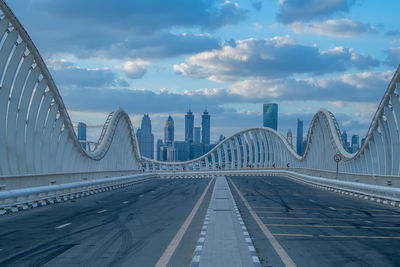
102	211
166	256
63	225
287	261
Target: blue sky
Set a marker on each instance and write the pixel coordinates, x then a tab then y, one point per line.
160	57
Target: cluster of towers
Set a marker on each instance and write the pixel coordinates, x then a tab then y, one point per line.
196	143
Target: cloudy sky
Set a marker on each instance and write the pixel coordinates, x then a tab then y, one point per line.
160	57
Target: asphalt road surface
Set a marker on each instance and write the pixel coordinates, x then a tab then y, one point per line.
125	227
317	227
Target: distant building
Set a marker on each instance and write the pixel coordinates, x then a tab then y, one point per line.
221	138
345	142
189	125
82	133
355	143
181	151
199	149
159	153
196	138
299	137
170	153
205	128
362	142
289	138
169	131
270	116
146	138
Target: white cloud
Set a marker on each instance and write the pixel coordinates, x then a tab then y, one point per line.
135	69
275	57
335	28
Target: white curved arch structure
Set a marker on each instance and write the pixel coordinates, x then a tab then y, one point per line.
37	137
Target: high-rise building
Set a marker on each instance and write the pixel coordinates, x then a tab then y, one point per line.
362	142
289	137
181	150
189	124
205	128
196	134
299	137
344	138
146	138
270	116
82	133
159	152
355	144
169	131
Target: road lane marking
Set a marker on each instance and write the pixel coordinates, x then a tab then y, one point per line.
329	214
331	226
63	225
101	211
287	261
308	218
298	235
289	212
125	202
359	236
166	256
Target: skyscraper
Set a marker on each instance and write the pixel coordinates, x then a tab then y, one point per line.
205	128
189	124
196	134
82	133
159	152
299	138
289	137
355	144
146	138
270	116
169	131
344	138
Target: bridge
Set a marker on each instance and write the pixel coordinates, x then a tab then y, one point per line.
251	200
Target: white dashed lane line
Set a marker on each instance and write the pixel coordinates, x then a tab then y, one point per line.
101	211
62	225
125	202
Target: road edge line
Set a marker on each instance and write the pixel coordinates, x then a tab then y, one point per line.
287	261
169	251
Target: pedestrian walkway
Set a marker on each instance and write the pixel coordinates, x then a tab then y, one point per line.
224	240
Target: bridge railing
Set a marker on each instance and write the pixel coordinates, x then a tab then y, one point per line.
26	181
58	192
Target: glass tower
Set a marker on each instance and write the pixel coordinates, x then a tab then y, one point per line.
299	138
205	128
189	124
169	131
146	138
82	133
270	116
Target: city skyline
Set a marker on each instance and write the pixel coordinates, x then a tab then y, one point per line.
350	50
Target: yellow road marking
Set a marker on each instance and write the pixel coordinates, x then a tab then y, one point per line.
330	214
360	236
331	226
166	256
309	218
287	261
284	212
299	235
339	236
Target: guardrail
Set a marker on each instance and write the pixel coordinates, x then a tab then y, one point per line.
13	182
69	190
